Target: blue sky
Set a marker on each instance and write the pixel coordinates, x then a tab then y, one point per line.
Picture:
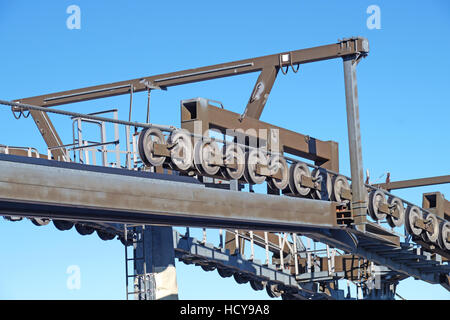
403	94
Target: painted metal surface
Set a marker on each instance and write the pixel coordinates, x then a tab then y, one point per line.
414	183
359	205
58	192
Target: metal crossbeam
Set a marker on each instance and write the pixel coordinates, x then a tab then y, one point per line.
41	189
326	52
414	183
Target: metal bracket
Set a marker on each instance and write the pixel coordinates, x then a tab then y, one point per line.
424	225
346	194
308	182
384	208
263	170
161	149
149	85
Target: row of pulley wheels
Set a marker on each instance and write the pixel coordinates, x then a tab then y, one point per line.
437	232
82	228
273	289
232	163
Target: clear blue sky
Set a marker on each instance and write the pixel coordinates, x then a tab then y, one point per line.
403	93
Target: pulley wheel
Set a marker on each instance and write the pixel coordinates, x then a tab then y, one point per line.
236	157
434	222
240	278
105	235
181	154
376	198
40	221
393	221
127	243
277	164
296	172
255	157
12	218
339	183
257	285
206	153
224	273
147	138
272	290
83	229
411	216
325	184
208	268
63	225
287	296
444	233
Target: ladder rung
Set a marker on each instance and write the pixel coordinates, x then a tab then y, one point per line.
135	292
134	225
129	259
134	242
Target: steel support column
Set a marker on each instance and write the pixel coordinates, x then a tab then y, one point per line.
359	204
155	258
414	183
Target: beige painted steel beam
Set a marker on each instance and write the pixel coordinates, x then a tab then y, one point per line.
414	183
58	192
342	48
